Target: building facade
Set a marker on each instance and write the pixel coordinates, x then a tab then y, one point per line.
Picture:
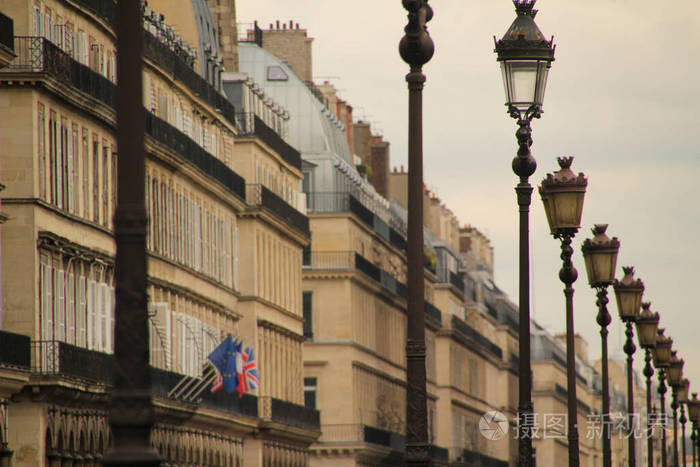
224	247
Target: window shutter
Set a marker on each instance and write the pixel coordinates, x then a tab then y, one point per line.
70	309
60	317
160	333
47	305
91	316
235	257
81	331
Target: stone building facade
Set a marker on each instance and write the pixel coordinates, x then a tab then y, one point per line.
224	245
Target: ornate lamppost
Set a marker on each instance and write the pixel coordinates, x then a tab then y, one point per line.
600	254
674	376
131	413
525	57
416	49
683	401
647	326
628	294
662	358
562	194
694	415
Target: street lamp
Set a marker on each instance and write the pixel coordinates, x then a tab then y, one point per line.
628	294
600	254
416	49
647	325
694	415
683	401
675	376
525	57
662	357
562	194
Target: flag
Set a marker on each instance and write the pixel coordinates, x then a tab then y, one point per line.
224	360
247	372
218	383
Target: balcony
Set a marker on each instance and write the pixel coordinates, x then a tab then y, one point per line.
433	313
445	276
105	9
333	202
482	460
175	66
38	55
7	45
59	359
288	413
179	142
259	195
15	350
350	260
251	125
474	336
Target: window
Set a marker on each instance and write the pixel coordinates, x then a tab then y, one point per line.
74	183
310	393
64	166
105	183
95	178
86	175
53	156
308	316
41	148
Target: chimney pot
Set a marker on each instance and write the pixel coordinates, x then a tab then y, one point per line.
270	26
297	26
278	24
291	24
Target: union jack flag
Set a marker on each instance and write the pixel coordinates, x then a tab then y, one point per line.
218	383
247	371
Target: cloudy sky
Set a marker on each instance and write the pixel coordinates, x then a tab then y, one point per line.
622	99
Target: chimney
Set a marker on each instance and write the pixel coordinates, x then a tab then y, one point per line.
291	24
297	26
278	24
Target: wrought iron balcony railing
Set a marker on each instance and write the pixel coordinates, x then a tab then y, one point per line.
295	415
250	124
259	195
56	358
164	133
432	312
38	55
6	32
14	350
471	334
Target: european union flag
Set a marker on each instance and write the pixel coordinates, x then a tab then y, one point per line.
224	359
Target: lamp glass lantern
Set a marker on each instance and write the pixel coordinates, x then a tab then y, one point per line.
662	350
647	326
682	391
694	409
628	294
525	57
600	255
562	194
675	370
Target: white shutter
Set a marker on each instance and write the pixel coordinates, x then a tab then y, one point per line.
70	309
160	334
111	302
91	316
60	317
36	22
47	302
235	257
102	317
81	318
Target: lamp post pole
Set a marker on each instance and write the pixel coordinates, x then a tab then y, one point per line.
416	49
131	414
647	327
648	373
674	406
675	380
683	420
600	254
525	58
662	403
628	293
662	360
562	194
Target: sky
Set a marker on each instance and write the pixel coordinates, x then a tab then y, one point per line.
621	98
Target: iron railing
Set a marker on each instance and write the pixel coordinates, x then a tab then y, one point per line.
329	260
250	124
56	358
164	133
331	202
467	331
433	312
395	441
446	276
38	55
295	415
105	9
15	350
174	65
259	195
482	460
6	32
